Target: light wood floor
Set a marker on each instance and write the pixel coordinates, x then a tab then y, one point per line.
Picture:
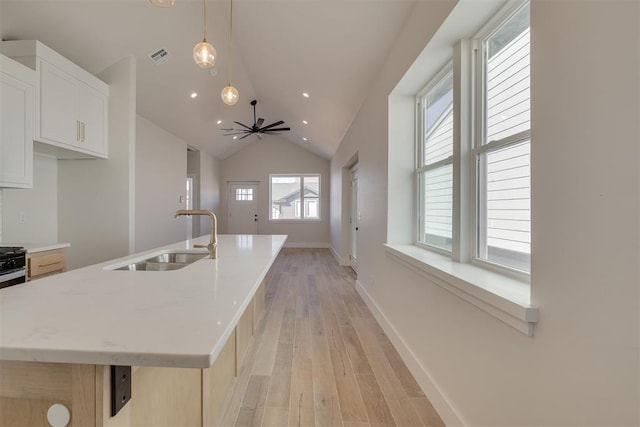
319	357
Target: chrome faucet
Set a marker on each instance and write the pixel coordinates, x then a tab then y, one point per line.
212	247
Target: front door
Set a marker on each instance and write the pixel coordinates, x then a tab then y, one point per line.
243	208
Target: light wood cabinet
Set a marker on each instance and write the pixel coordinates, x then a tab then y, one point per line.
17	86
45	263
71	104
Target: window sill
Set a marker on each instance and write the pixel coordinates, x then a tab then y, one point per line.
502	297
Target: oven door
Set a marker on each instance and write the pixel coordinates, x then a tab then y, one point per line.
12	277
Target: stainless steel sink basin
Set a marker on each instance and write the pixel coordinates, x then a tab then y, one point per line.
153	266
176	257
165	261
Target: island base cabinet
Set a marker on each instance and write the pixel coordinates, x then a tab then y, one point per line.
159	396
28	389
217	384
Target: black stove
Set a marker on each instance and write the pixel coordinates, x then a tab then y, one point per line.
13	260
12	250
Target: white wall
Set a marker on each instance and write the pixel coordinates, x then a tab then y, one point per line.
193	171
274	154
38	207
95	196
210	188
161	173
582	365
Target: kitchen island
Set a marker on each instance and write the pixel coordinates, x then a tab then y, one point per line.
183	332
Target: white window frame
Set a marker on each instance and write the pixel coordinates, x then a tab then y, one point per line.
469	110
479	130
419	156
302	198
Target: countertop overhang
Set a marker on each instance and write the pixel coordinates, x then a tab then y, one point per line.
179	318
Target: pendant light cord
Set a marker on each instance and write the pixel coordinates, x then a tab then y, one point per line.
205	20
230	38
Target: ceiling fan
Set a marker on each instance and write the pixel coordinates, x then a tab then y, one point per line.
256	128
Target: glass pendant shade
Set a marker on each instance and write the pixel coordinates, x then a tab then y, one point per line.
229	95
204	54
163	3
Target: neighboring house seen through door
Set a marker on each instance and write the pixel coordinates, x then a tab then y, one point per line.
243	208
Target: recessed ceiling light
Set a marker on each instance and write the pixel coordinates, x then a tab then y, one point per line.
305	122
194	94
219	121
305	94
304	139
235	137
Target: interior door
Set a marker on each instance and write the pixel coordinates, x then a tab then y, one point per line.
355	217
243	208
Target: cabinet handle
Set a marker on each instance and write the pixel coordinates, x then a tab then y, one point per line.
82	123
49	264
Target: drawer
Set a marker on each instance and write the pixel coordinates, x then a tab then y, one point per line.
47	262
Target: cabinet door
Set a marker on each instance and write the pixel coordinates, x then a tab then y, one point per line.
58	107
91	113
16	132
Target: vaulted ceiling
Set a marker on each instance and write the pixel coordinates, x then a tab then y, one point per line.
331	49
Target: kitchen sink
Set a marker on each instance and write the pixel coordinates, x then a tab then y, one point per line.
176	257
153	266
164	261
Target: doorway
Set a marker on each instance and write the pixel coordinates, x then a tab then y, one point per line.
243	208
354	219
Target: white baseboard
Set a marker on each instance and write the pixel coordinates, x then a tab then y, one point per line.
341	261
431	390
306	245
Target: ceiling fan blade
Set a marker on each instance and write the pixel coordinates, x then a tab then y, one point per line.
273	124
243	137
275	130
236	133
259	122
244	126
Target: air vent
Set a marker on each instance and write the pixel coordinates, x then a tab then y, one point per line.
159	56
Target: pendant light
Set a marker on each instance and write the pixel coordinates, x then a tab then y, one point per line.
204	53
229	93
163	3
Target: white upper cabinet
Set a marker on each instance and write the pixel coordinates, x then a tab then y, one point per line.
17	99
71	103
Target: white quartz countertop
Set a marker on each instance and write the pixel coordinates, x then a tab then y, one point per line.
179	318
37	247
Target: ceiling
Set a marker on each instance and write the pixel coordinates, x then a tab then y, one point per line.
331	49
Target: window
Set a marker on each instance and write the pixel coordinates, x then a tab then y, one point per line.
295	197
494	162
503	145
434	174
244	194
